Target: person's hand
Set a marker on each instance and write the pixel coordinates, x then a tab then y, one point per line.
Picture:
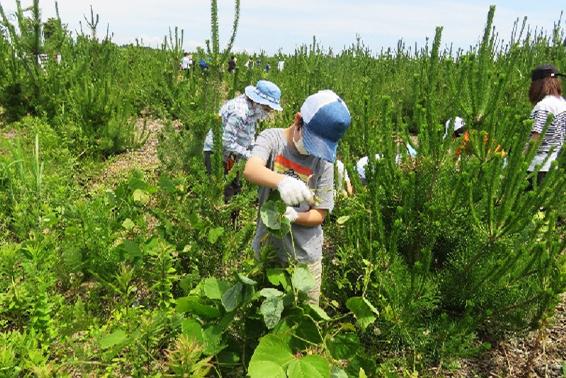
294	191
291	214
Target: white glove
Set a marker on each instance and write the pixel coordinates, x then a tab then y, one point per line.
291	214
294	191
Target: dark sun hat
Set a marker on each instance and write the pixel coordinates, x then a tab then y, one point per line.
545	70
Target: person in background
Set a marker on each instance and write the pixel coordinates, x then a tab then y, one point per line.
203	65
267	67
296	162
457	126
186	63
343	183
280	65
232	64
239	120
361	165
459	130
404	150
545	93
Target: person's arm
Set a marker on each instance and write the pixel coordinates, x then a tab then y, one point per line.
539	121
256	172
292	190
325	189
349	188
311	218
233	127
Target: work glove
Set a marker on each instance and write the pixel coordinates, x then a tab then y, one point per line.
291	214
294	191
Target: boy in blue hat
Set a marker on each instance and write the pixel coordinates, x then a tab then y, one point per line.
239	121
298	161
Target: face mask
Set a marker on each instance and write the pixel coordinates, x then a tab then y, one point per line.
300	145
259	112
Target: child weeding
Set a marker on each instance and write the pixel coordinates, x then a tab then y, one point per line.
545	94
298	161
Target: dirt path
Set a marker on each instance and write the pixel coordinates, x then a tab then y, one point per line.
144	159
542	353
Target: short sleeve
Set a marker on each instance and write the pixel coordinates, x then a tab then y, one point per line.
325	188
264	144
539	120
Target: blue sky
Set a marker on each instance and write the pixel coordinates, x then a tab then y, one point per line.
284	24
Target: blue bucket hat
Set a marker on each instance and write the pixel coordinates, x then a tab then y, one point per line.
325	120
265	93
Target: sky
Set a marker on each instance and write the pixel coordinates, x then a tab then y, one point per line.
273	25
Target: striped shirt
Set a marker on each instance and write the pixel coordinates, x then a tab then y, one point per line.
239	120
553	139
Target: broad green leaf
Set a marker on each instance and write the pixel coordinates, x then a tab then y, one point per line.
320	313
214	288
284	330
271	309
131	248
193	330
246	280
232	297
140	197
270	292
306	331
115	338
362	373
344	346
338	373
343	219
278	276
309	367
271	215
266	369
214	234
193	305
128	224
364	312
302	279
270	358
212	337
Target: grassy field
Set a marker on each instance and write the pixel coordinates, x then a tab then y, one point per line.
119	257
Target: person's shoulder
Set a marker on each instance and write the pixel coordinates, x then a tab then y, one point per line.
273	133
237	106
551	104
326	165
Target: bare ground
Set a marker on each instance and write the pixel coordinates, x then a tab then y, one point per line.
143	159
542	353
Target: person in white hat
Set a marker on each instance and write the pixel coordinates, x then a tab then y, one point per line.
239	121
454	127
298	163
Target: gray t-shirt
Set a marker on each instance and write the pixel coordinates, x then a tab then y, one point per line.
272	147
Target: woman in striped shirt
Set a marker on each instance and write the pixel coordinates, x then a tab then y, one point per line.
545	94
